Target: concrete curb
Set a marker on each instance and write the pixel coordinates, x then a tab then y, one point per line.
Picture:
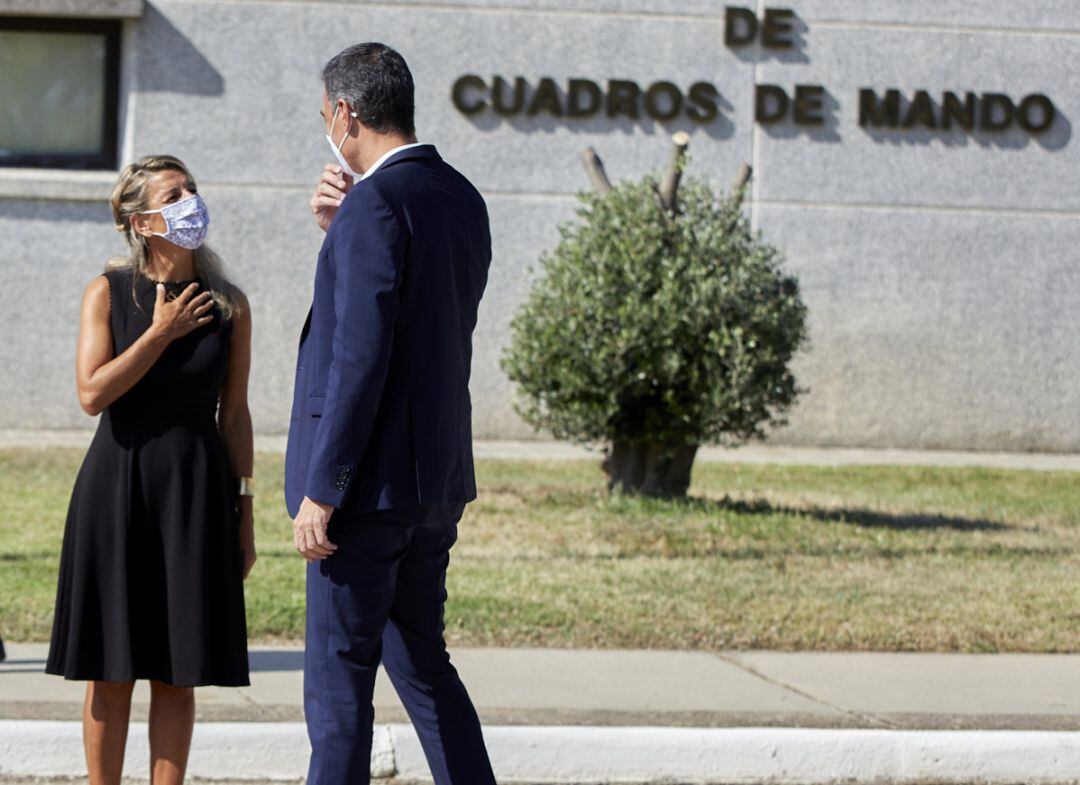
278	751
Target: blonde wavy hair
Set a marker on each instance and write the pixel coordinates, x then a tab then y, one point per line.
130	197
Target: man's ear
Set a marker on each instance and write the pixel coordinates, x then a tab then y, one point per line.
346	111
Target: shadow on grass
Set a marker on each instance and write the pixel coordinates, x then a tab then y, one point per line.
34	556
849	515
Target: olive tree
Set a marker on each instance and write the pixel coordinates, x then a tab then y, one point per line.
658	323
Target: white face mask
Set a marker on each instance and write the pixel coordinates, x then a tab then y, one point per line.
337	147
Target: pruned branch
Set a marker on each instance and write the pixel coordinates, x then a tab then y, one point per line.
669	186
594	167
742	178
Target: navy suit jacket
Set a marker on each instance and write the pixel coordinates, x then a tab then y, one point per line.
381	416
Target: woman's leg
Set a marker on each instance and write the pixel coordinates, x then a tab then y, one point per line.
172	718
105	728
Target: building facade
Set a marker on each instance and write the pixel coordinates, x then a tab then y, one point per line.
912	159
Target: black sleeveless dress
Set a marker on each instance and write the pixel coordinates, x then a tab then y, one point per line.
151	583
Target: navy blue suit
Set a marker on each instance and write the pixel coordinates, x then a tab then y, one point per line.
381	417
381	430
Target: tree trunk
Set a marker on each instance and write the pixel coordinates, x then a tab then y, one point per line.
658	469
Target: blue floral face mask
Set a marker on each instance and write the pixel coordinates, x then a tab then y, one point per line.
186	222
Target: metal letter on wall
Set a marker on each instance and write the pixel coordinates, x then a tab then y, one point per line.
459	94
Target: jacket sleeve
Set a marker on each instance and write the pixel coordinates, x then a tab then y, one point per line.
367	252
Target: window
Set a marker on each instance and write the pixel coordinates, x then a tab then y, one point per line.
59	93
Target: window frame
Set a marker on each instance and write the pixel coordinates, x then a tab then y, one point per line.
105	158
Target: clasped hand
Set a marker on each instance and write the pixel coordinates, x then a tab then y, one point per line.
329	194
309	530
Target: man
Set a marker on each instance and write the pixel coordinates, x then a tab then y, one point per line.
379	461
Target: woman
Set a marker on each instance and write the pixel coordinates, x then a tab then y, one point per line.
159	532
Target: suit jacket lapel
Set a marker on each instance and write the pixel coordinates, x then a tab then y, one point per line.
307	323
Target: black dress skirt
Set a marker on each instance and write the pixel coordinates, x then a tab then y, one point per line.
151	583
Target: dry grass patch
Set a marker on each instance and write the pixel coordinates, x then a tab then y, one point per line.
858	558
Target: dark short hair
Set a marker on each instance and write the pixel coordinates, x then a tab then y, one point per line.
375	81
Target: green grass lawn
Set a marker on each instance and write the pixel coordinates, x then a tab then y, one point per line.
780	557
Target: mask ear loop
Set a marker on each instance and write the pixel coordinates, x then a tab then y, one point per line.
160	210
334	120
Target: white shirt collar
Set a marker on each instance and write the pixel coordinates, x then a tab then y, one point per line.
387	154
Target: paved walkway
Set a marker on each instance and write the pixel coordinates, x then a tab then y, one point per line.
624	688
753	453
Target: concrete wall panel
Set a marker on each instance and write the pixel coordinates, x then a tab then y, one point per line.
938	267
939	328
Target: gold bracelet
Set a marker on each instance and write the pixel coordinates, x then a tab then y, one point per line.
245	486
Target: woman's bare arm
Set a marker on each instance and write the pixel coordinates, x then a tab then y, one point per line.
101	378
234	422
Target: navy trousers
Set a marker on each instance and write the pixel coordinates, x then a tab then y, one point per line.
380	597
